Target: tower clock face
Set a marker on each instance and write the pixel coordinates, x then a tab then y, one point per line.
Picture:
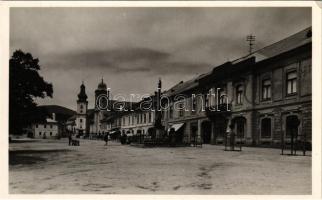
103	103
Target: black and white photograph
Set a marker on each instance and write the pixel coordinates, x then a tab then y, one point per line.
160	100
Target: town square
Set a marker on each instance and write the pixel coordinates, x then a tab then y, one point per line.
158	100
94	168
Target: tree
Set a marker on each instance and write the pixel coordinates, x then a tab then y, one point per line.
25	85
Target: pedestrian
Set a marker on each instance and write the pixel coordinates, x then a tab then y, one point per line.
69	139
172	137
232	138
106	138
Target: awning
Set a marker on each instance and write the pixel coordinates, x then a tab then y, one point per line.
176	127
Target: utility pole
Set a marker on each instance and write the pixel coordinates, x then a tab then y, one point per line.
250	38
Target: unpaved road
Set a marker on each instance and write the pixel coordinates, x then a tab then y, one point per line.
50	166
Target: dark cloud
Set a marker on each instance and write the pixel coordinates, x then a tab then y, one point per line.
132	47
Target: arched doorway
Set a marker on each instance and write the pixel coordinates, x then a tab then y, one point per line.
206	131
220	126
292	125
240	127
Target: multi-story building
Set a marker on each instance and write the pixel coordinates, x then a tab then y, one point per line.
137	122
54	124
184	110
50	128
264	97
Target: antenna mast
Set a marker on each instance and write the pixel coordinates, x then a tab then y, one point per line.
250	38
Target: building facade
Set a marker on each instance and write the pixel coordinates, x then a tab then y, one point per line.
264	97
50	128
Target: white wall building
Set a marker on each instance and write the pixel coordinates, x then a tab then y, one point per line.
48	129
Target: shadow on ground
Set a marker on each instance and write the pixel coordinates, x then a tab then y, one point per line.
28	157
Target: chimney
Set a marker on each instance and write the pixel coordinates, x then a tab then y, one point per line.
54	116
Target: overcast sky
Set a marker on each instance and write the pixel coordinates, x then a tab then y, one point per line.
132	47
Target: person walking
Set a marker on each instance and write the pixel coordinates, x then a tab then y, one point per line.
69	139
232	138
106	138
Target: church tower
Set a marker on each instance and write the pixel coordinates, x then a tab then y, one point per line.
101	105
101	96
81	123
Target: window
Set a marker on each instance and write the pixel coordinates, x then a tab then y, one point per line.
129	120
45	126
137	119
81	106
50	133
291	82
80	120
221	96
123	121
266	128
170	112
266	89
149	117
206	97
239	94
132	119
51	126
194	105
39	133
181	110
36	125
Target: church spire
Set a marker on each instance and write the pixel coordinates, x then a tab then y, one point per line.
82	94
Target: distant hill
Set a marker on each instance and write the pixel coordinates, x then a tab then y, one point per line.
62	113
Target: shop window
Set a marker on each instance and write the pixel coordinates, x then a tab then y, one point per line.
266	128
